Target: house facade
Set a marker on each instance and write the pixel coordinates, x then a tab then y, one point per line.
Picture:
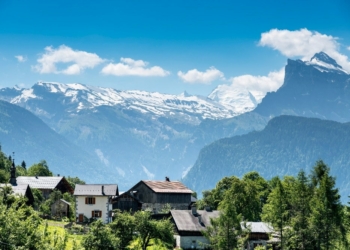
95	201
154	195
259	235
189	225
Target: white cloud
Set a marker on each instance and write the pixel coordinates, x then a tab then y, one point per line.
148	173
195	76
131	67
260	85
304	43
348	48
21	58
102	158
78	60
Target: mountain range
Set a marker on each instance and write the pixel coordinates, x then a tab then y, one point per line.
141	135
135	134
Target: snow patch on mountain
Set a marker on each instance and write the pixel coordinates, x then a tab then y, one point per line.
322	62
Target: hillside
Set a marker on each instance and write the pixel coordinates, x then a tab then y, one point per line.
32	140
285	146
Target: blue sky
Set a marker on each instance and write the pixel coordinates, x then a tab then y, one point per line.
167	46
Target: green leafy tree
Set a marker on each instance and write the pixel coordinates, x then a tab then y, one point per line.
100	237
40	169
148	229
123	227
74	180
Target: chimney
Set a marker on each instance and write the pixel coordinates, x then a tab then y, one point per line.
103	190
167	178
58	175
194	209
200	219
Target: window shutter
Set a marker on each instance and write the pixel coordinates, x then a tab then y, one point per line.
92	213
86	200
99	213
93	200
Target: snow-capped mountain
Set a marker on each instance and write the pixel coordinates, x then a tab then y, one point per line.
324	63
234	98
316	88
75	97
136	133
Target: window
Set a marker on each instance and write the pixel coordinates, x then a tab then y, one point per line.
96	213
89	200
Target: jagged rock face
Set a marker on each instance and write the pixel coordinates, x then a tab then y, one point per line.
318	88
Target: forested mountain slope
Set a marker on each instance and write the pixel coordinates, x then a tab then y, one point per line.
285	146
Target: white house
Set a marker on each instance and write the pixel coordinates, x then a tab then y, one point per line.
95	201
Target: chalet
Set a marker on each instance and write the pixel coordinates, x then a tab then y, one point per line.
127	202
46	184
259	235
154	195
95	201
189	225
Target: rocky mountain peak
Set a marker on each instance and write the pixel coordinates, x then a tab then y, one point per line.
323	57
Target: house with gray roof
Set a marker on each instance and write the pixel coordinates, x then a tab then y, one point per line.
95	201
154	195
46	184
189	225
22	190
259	235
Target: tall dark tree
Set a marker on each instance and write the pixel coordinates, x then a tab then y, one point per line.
326	220
24	165
275	210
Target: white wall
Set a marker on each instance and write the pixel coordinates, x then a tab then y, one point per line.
187	241
101	203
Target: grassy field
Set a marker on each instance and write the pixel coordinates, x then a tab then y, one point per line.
73	241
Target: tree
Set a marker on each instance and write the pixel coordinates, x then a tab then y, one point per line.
24	165
148	229
39	169
123	227
326	220
100	237
275	210
300	196
223	233
74	180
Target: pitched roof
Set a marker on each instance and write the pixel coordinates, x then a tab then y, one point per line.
40	182
19	189
167	187
186	221
96	189
257	227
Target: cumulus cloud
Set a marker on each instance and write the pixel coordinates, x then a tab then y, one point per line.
195	76
260	85
131	67
304	43
77	60
21	58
